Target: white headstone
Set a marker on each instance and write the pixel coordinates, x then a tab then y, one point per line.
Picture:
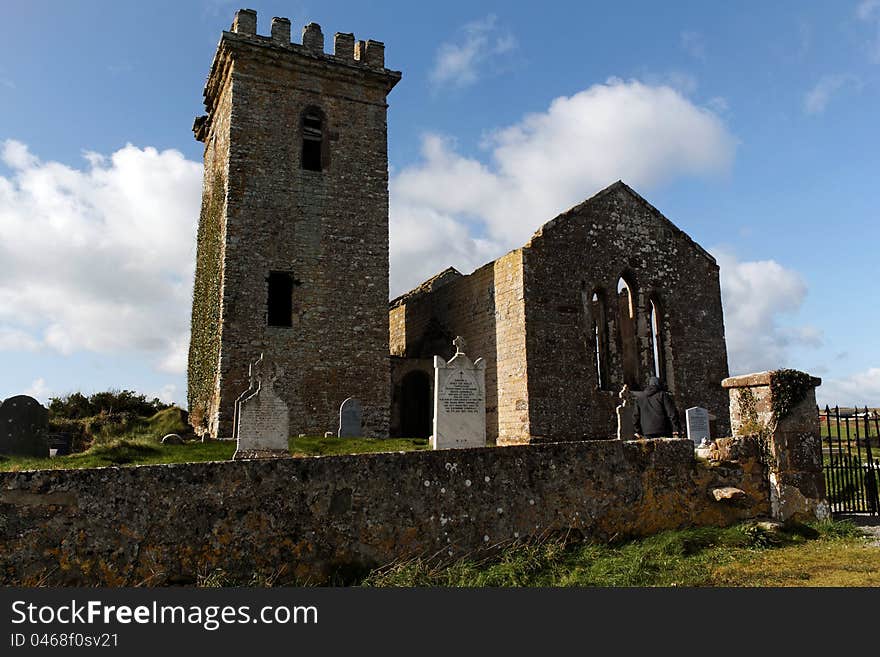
459	401
697	424
350	415
262	421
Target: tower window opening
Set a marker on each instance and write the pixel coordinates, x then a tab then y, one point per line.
313	141
279	303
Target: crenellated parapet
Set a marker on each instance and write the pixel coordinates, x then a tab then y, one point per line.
351	56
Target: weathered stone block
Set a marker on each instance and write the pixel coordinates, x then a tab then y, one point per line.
779	408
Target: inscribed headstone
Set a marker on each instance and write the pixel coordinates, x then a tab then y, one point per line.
24	427
350	416
262	421
697	424
60	442
459	400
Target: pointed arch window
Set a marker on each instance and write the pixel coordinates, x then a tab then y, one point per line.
654	324
627	332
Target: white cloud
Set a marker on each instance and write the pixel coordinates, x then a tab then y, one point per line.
99	258
39	391
169	394
718	104
861	388
681	81
538	167
17	340
459	64
693	44
756	295
867	9
817	98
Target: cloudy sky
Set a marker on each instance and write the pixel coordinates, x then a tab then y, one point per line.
752	127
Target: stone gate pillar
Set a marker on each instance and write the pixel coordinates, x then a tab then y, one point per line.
780	408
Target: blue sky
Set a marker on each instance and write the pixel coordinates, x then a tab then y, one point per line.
752	126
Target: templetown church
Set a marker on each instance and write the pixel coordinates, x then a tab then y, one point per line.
292	261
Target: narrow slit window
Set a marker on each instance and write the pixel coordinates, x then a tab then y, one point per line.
313	140
655	338
627	333
600	348
280	299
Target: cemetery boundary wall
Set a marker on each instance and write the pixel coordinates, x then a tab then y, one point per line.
311	520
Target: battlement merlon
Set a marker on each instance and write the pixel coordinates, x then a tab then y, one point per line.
350	58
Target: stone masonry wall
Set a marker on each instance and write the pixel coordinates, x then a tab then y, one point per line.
617	233
305	519
328	229
486	309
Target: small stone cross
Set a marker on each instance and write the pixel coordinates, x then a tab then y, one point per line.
460	344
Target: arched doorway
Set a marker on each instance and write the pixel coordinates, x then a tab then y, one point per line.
415	405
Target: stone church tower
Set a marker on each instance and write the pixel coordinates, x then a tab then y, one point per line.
292	255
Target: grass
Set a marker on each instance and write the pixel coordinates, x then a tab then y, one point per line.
824	554
854	427
320	446
139	444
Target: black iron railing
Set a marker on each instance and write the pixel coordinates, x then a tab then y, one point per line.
849	449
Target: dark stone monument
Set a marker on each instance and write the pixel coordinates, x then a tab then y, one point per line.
61	442
24	427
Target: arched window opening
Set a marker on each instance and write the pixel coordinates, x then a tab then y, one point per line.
599	338
312	140
626	300
656	345
279	302
627	333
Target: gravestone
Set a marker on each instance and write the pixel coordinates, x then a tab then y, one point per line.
697	424
624	415
459	400
350	415
262	421
60	443
24	427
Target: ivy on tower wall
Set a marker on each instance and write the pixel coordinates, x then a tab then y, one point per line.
204	342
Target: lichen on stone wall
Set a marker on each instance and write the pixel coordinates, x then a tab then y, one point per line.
751	424
205	329
788	388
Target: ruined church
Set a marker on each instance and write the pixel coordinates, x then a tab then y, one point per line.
292	261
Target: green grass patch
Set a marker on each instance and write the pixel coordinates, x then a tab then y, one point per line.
855	427
121	451
141	445
325	446
705	556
